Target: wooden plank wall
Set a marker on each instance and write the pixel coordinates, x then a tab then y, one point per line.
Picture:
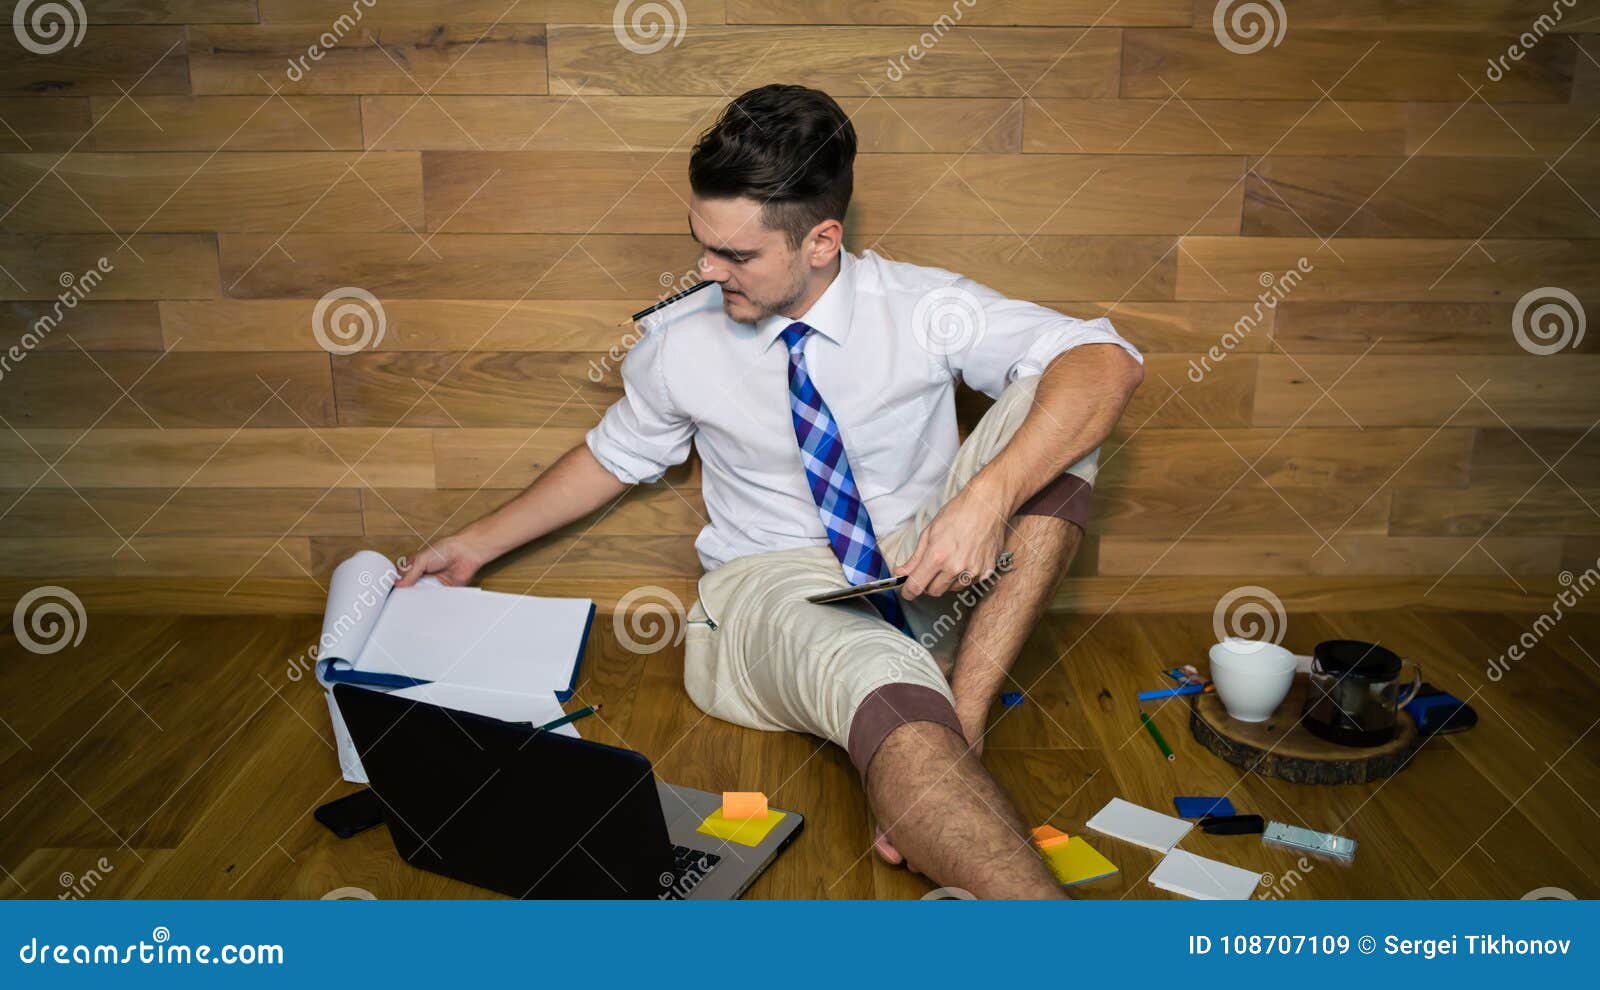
508	180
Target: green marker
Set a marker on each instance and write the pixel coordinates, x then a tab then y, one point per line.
1155	734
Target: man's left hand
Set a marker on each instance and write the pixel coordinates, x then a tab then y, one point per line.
961	545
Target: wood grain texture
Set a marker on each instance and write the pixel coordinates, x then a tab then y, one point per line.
112	61
1326	458
481	266
1129	13
658	511
1344	554
32	123
1117	268
171	11
149	266
485	11
1526	455
250	191
1354	65
510	182
398	58
1414	327
661	123
1586	84
854	61
1380	269
477	389
266	458
1420	197
190	511
1512	131
163	391
226	123
179	810
453	325
95	326
1555	506
1169	126
1426	391
154	556
1422	15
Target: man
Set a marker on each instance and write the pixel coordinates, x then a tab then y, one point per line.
817	387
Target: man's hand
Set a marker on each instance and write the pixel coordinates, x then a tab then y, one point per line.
453	560
965	538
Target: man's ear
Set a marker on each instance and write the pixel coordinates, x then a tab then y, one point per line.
824	243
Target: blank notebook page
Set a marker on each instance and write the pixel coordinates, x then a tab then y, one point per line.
478	638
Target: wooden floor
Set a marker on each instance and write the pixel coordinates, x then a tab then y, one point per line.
177	757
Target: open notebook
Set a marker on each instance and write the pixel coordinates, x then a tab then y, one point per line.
511	657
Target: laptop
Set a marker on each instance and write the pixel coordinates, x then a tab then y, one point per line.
535	814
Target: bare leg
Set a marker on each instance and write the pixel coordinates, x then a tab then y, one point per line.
950	818
1043	547
1001	622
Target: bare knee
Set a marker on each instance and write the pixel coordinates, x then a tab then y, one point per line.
931	745
1043	541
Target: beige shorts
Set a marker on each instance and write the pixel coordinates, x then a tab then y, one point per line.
776	661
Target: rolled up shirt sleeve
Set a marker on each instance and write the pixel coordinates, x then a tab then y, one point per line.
1013	338
644	432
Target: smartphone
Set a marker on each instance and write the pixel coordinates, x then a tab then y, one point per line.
840	594
352	813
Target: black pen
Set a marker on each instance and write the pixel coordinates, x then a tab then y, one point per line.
691	290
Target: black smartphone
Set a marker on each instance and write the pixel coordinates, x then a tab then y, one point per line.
352	813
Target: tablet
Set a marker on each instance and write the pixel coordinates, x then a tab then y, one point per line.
855	591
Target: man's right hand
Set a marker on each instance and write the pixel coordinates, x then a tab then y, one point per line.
454	560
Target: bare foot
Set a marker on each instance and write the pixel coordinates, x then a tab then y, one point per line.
885	850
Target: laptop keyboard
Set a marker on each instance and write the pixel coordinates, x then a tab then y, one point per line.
689	867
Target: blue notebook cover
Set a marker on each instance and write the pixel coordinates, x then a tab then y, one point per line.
583	644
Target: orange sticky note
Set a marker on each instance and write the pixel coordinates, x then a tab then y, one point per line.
737	805
1046	836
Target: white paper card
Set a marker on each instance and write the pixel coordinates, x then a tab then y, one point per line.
1204	879
1131	823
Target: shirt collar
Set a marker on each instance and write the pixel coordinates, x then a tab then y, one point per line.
829	315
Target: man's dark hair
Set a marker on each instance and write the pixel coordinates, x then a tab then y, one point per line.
790	148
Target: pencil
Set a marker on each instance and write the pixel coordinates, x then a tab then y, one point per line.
1155	734
563	720
691	290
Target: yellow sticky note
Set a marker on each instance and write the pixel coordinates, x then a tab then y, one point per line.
746	831
1075	862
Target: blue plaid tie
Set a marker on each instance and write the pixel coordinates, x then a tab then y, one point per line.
833	487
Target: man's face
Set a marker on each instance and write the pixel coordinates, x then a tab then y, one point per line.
760	274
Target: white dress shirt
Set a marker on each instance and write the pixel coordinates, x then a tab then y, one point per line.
890	341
